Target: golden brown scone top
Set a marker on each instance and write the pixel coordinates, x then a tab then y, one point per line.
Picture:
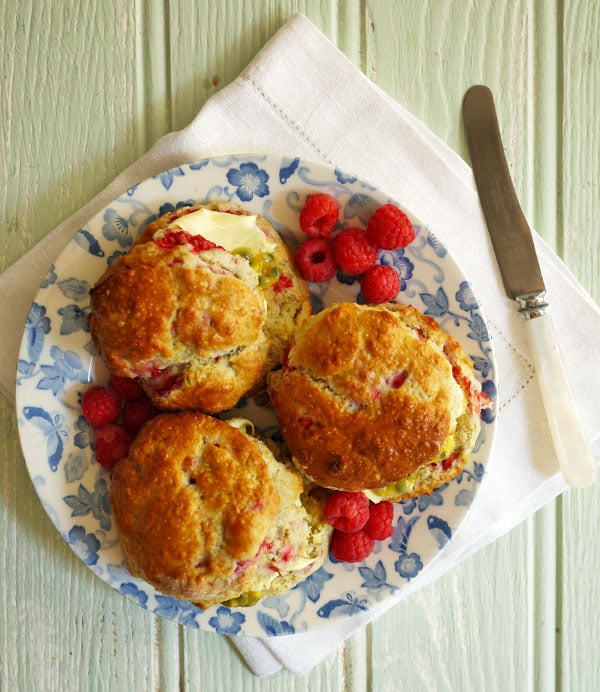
366	398
287	298
191	502
169	314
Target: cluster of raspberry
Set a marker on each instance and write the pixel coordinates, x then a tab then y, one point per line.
116	412
357	524
353	250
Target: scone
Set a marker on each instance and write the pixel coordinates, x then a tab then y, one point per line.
201	308
205	513
377	398
188	323
280	283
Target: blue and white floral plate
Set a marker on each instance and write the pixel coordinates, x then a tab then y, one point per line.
57	363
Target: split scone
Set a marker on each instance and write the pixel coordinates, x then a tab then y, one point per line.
201	308
205	513
379	399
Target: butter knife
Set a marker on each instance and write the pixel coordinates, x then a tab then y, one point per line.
523	282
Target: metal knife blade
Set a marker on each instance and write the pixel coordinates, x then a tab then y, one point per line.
515	251
509	231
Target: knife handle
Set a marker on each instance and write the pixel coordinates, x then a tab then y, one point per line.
570	441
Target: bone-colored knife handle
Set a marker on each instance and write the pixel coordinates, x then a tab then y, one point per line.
570	441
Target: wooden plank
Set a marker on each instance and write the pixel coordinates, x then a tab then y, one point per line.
225	40
579	100
153	85
540	204
211	662
62	143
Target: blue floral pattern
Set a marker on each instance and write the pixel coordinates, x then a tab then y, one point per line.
287	169
51	427
74	319
57	361
83	434
226	621
249	180
408	565
96	502
49	279
180	611
75	466
360	206
87	241
116	228
401	263
73	288
313	584
66	367
85	545
273	627
36	328
375	578
134	593
349	605
168	177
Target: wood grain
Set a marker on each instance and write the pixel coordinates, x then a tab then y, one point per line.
578	587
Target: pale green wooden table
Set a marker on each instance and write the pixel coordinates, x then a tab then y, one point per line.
85	88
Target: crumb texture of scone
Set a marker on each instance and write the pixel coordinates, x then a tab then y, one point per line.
372	394
285	292
205	513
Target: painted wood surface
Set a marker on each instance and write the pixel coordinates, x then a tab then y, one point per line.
87	87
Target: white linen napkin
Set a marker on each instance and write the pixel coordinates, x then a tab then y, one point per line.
302	96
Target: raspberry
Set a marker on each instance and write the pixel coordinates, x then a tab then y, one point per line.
126	388
379	524
316	260
347	511
172	237
100	406
389	228
380	284
353	250
448	462
200	243
351	547
319	215
136	413
282	284
112	444
165	380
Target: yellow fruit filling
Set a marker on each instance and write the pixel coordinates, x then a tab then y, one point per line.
262	263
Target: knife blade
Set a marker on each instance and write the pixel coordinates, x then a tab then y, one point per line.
514	248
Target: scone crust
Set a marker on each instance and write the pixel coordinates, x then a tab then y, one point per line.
368	394
198	504
288	299
167	316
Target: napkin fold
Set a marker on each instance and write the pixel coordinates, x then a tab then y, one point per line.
301	96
